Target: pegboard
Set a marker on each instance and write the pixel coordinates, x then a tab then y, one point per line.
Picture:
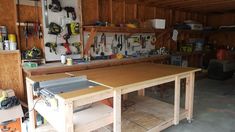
130	49
61	19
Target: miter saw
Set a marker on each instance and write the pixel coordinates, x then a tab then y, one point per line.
51	90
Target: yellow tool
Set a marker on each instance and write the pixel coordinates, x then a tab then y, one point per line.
3	95
119	56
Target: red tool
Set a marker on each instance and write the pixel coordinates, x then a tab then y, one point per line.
66	44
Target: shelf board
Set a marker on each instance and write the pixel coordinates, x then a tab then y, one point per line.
190	31
121	29
148	114
23	24
99	115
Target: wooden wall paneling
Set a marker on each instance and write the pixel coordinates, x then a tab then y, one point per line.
141	12
90	11
168	17
118	11
221	19
105	10
149	12
28	14
159	13
8	15
11	72
177	17
222	38
130	12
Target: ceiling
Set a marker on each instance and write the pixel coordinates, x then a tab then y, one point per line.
204	6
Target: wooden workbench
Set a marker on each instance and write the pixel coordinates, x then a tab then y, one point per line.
52	68
118	80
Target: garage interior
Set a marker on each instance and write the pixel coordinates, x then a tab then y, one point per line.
117	65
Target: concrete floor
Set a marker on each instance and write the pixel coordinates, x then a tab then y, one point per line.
214	107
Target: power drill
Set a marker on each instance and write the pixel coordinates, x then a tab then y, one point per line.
52	47
77	45
66	44
72	11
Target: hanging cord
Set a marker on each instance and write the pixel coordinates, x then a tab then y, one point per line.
18	20
32	108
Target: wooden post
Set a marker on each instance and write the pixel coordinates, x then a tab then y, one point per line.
125	96
141	92
30	106
187	89
117	110
191	96
177	101
67	112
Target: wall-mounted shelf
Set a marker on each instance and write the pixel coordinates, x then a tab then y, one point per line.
189	31
23	24
121	29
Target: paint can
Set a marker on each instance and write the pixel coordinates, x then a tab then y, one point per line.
13	45
6	45
69	61
12	37
1	43
3	31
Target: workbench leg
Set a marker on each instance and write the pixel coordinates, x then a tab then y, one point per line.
141	92
67	112
117	111
187	89
125	97
32	118
177	101
191	96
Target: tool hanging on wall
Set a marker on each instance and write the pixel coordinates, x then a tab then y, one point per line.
54	29
119	45
142	42
95	49
37	28
103	39
126	42
55	6
66	44
70	10
73	28
52	47
28	31
77	45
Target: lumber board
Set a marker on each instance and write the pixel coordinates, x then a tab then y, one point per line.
147	115
87	120
11	72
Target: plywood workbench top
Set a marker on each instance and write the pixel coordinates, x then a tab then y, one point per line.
117	76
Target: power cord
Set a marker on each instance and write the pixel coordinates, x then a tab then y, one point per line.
33	107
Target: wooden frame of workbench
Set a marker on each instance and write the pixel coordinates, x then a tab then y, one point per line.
116	93
62	120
